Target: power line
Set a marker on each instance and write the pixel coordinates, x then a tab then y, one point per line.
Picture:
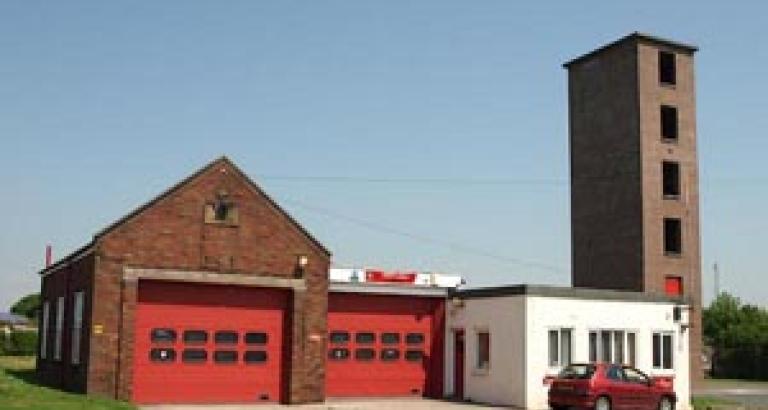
424	238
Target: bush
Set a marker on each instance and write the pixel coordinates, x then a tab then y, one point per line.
21	343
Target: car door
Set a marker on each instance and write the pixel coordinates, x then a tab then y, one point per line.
639	389
618	389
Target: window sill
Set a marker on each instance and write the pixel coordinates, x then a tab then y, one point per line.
671	86
667	197
675	255
669	140
481	371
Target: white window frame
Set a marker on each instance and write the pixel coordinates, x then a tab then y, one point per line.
662	356
557	357
59	328
628	356
77	325
44	330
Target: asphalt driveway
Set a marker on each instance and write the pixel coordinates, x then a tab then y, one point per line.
340	404
750	394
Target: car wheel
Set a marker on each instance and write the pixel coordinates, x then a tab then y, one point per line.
666	404
602	403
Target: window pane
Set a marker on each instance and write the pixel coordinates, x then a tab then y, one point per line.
656	350
365	338
226	337
614	373
668	122
256	338
673	239
565	347
163	335
338	354
255	356
553	357
618	347
667	70
388	355
667	351
339	337
670	172
605	344
414	338
483	350
195	336
390	338
414	355
592	346
225	356
194	355
162	355
631	348
365	354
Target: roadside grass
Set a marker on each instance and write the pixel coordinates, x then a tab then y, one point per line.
711	402
19	390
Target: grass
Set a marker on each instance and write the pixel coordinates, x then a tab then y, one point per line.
707	402
19	390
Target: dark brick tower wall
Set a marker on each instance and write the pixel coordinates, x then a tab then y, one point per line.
617	151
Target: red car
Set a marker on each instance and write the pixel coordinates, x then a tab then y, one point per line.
603	386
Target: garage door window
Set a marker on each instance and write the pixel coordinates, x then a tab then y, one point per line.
414	355
255	357
226	337
339	337
163	335
365	338
338	354
162	355
256	338
390	338
414	338
365	354
194	356
389	355
225	356
195	336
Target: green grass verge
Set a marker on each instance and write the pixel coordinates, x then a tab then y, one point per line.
18	390
706	402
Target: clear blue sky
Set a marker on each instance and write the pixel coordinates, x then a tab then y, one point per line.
105	104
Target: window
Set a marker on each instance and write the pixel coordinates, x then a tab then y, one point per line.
365	338
559	347
673	285
195	336
59	328
256	338
255	356
414	338
483	350
44	330
669	123
194	356
339	337
615	373
662	351
338	354
162	335
162	355
673	236
77	326
389	355
225	337
390	338
667	69
225	356
364	354
414	355
221	211
635	376
670	176
612	346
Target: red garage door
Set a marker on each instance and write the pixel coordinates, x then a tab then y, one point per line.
207	343
384	345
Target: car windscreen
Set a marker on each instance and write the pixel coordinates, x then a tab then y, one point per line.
577	371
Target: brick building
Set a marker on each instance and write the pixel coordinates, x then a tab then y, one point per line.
634	172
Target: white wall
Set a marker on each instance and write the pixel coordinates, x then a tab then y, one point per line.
504	319
519	326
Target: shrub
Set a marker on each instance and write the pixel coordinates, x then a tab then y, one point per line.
21	343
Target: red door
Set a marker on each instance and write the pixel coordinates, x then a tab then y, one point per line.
199	343
458	364
384	345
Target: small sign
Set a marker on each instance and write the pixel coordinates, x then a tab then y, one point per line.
98	329
315	337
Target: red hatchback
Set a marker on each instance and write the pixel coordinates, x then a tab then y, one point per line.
606	386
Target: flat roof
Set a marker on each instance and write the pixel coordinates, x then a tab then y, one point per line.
387	289
630	37
565	292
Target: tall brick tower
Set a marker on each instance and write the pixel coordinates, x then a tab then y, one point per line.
634	172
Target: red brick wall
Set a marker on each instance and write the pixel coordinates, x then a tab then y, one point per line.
171	234
71	278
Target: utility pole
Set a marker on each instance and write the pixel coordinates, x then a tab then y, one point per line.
717	279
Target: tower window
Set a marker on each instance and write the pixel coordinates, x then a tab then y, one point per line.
221	211
670	175
667	69
669	122
673	236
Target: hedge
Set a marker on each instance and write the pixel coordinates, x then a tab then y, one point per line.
20	343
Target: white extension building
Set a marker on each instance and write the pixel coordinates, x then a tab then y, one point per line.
503	342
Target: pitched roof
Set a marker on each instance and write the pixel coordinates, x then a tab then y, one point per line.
223	160
633	36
